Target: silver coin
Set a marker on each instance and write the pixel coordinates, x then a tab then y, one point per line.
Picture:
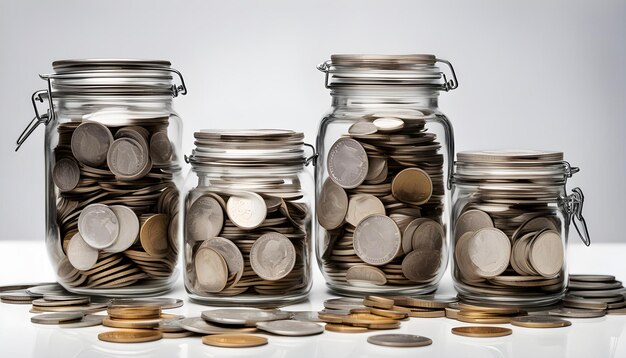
205	218
428	235
129	228
163	302
592	278
161	149
489	250
80	254
421	265
577	313
272	256
127	159
291	328
585	285
199	325
362	128
89	320
98	226
243	316
547	253
307	316
344	303
90	143
171	325
57	297
211	270
66	174
472	220
231	254
45	289
332	205
399	340
377	240
361	206
246	209
57	317
42	302
364	275
347	163
388	124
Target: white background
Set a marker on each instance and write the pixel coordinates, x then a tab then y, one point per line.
533	74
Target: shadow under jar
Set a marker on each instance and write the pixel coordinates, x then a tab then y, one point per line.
248	218
381	198
511	217
113	172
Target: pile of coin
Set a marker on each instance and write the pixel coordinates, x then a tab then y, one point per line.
117	204
380	208
507	230
590	296
247	224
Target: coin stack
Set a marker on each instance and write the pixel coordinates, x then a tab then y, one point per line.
247	224
117	204
591	296
382	203
507	235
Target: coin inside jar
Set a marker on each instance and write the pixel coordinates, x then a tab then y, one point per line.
377	240
128	159
489	250
247	210
272	256
413	186
90	143
205	218
360	275
361	206
472	221
332	205
66	174
80	254
231	254
347	163
129	229
211	270
98	226
153	235
161	150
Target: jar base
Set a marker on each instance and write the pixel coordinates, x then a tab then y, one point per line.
355	291
251	301
528	302
148	288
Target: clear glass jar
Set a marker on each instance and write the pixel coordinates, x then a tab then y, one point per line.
381	199
511	216
113	173
247	236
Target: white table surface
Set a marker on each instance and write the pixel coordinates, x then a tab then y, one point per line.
598	337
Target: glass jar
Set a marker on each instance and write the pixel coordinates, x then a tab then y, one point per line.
381	199
113	173
248	218
511	216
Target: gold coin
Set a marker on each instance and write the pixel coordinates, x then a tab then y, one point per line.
366	318
428	314
387	313
378	302
384	325
452	313
136	312
412	186
330	317
131	323
342	328
361	310
484	320
153	235
481	331
540	322
489	309
234	340
130	336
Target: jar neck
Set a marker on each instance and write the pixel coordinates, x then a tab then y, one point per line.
385	96
132	103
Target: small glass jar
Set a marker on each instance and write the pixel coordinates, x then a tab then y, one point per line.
381	199
247	219
113	173
510	219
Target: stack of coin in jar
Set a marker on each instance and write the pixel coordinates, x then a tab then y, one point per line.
246	227
117	207
382	202
508	234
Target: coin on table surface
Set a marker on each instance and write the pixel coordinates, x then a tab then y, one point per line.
347	163
344	328
41	302
231	254
153	235
361	206
428	301
128	159
246	209
89	320
547	253
291	328
481	331
81	255
134	312
584	286
243	316
272	256
98	225
421	265
489	250
199	325
412	186
364	275
205	218
161	149
131	336
332	205
211	270
471	221
66	174
306	316
540	322
577	313
90	143
377	240
591	278
163	302
234	340
343	303
57	318
575	302
362	128
129	228
399	340
388	124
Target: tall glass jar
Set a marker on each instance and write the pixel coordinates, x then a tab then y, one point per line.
381	199
248	218
510	220
113	173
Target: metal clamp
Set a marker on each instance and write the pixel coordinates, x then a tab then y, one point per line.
575	209
313	157
454	82
38	119
178	89
325	67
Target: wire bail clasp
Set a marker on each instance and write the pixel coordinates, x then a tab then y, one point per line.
38	119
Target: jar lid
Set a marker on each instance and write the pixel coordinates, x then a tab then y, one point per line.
510	156
371	69
70	65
